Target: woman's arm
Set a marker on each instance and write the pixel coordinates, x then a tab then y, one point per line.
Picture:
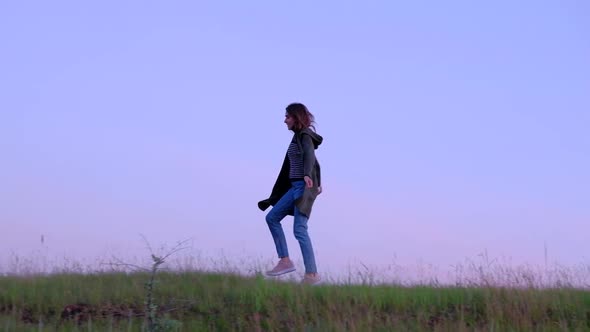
308	159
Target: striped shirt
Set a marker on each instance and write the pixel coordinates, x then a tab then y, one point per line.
295	160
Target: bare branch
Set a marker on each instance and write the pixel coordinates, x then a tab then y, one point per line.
147	243
119	262
178	247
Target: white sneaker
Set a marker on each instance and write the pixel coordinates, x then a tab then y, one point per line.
281	268
311	279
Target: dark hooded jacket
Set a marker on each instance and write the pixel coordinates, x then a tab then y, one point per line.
311	168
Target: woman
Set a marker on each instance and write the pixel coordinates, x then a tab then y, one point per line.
295	190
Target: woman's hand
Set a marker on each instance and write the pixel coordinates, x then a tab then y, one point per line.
308	181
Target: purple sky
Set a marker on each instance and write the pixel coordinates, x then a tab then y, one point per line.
450	128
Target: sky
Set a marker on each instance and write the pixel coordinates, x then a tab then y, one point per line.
451	129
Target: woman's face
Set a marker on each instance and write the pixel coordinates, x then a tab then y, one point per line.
290	121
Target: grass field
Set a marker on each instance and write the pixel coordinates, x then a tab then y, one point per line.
201	301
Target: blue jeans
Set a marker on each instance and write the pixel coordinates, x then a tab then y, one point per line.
285	205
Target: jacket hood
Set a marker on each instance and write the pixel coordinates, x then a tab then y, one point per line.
315	137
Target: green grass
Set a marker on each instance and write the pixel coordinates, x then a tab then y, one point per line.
226	302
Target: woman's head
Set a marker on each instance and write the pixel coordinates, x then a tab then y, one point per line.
297	117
